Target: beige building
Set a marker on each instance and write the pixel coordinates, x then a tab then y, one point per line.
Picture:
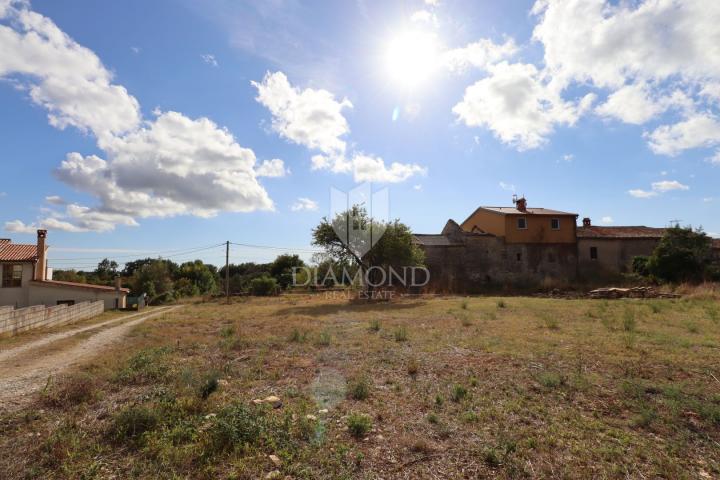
520	224
24	280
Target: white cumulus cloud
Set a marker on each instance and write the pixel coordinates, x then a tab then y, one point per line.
314	118
166	166
303	203
271	168
367	168
310	117
658	188
516	105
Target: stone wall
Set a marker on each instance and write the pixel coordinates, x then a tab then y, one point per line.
13	321
473	262
614	256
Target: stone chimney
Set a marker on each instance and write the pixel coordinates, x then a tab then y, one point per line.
42	256
118	283
521	204
586	222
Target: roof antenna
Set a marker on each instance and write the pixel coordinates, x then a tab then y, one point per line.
514	198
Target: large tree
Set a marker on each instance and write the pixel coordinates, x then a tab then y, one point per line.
282	268
394	247
683	254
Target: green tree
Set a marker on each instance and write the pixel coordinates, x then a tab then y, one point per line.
281	269
203	277
153	279
69	276
683	254
106	270
395	248
263	286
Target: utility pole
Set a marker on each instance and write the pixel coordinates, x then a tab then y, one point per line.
227	271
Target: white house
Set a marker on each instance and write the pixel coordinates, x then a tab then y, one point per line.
24	280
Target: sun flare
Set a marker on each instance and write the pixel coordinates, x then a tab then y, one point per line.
411	58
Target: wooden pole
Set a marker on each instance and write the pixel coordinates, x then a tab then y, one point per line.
227	271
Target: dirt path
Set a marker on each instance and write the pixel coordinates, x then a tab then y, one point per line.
25	369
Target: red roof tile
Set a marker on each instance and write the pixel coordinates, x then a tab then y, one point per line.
528	211
17	252
620	232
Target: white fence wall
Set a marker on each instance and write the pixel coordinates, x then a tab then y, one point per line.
13	321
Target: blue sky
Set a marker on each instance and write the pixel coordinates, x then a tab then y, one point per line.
162	126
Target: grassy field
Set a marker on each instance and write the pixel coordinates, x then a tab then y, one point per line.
425	388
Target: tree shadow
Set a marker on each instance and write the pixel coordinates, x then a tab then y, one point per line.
333	308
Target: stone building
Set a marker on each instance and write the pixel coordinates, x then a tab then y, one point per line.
496	246
519	246
607	251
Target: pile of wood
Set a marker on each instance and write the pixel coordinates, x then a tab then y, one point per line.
633	292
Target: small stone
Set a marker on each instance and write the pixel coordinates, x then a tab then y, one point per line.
380	438
272	475
323	411
257	401
223	382
274	401
275	459
311	417
210	415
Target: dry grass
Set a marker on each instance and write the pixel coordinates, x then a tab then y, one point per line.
535	388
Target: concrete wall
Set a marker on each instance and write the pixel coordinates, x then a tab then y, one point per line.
13	321
478	262
49	295
614	255
19	296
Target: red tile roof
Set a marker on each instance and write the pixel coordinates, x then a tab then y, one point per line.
17	252
620	232
528	211
87	286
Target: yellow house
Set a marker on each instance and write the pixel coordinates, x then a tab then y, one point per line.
520	224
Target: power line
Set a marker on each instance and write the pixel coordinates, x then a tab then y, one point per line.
164	253
268	247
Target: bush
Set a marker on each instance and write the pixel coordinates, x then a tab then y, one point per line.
147	365
458	393
208	385
69	390
132	422
263	286
297	336
413	367
359	389
359	424
401	334
374	325
324	339
683	254
237	425
640	266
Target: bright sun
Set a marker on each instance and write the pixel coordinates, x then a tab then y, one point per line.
411	58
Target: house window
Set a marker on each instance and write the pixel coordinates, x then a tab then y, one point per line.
593	253
518	256
12	276
66	302
555	223
522	223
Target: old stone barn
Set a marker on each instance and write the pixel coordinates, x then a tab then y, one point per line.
526	246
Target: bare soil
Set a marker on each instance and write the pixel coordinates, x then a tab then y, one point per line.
26	368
